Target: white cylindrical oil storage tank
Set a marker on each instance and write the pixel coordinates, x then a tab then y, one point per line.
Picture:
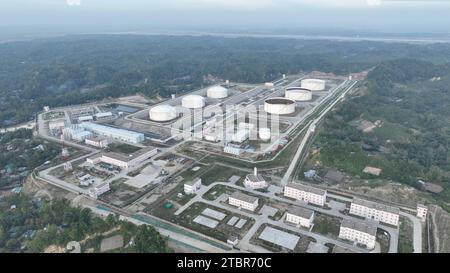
298	94
279	106
162	113
313	84
193	101
264	134
217	92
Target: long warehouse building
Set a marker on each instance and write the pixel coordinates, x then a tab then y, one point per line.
115	133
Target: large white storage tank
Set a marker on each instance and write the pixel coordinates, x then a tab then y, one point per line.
162	113
279	106
264	134
217	92
298	94
193	101
313	84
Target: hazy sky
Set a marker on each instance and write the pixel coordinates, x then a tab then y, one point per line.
129	15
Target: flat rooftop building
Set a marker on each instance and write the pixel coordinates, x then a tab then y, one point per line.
300	216
115	133
376	211
358	231
244	201
124	161
305	193
255	180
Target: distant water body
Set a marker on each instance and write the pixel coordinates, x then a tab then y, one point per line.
392	39
350	38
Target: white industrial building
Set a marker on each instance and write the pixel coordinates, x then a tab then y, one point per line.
74	132
243	201
300	217
422	211
193	101
163	113
305	193
103	115
191	187
98	141
298	94
375	211
212	136
360	232
232	150
114	133
96	191
217	92
255	181
246	126
313	84
264	134
240	136
81	136
122	160
56	124
85	118
279	106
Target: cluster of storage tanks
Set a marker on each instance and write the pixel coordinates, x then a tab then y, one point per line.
165	112
313	84
298	94
286	105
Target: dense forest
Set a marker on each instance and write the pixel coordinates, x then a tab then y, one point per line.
410	99
78	69
31	225
20	153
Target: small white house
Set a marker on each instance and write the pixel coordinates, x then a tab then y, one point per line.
243	201
422	211
191	187
96	191
255	181
300	217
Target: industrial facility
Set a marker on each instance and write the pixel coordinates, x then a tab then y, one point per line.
313	84
217	92
264	134
298	94
162	113
279	106
114	133
193	101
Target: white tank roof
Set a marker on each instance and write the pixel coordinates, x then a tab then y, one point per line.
193	101
163	108
163	113
217	88
217	92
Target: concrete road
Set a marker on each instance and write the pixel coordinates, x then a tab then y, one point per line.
310	131
417	234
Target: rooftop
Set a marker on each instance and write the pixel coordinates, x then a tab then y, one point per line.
374	205
110	130
97	138
306	188
128	157
365	227
302	212
244	197
257	178
334	175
